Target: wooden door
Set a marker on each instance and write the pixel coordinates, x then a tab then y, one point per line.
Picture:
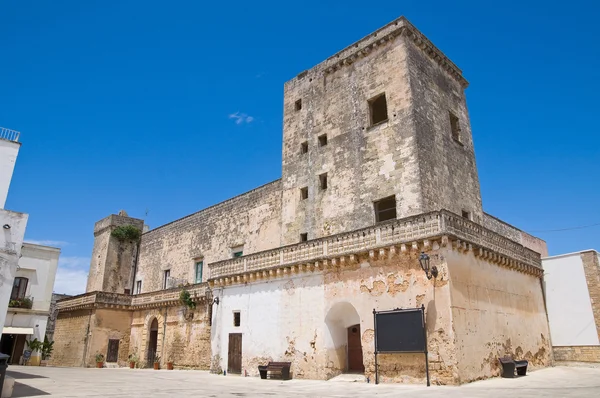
234	361
112	353
18	350
355	355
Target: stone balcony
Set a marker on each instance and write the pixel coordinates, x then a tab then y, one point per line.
416	233
159	298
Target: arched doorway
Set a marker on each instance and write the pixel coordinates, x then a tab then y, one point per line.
344	339
355	354
152	342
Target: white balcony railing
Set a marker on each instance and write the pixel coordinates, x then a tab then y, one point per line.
9	135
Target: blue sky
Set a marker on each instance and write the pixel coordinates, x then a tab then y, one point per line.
164	108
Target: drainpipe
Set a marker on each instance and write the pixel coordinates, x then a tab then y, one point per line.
87	339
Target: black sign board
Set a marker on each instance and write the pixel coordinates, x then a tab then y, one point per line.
400	331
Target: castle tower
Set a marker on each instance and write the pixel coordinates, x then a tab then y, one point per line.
380	130
114	258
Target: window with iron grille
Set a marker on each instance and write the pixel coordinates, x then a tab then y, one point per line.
236	319
19	288
112	354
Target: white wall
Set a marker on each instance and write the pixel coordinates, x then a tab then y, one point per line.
11	241
271	312
8	156
39	265
568	301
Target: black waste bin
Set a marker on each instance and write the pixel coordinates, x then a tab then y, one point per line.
3	366
263	371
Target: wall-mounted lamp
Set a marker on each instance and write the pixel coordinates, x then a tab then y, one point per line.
216	301
6	226
429	271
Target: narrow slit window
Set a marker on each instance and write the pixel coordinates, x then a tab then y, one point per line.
298	104
304	193
385	209
455	127
323	140
167	275
138	287
378	109
304	147
199	266
323	181
236	319
304	237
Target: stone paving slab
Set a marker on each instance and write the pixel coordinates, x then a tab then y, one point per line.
80	382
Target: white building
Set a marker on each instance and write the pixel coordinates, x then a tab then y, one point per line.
13	224
29	305
572	287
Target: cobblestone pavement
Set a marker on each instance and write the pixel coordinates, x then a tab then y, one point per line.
79	382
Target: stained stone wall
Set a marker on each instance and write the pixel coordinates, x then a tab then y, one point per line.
251	220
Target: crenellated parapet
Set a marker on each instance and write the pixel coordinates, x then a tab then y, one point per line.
403	236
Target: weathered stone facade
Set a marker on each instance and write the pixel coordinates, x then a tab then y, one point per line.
291	270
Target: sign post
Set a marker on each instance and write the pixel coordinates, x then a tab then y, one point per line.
400	331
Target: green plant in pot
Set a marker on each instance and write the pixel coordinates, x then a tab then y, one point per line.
156	362
133	360
34	345
46	350
99	360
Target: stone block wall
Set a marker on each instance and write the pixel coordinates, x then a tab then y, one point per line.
503	228
591	268
70	338
183	335
577	353
251	220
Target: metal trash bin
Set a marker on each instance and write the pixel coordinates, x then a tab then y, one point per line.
3	366
263	371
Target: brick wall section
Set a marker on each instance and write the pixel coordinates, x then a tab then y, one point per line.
577	354
591	268
70	338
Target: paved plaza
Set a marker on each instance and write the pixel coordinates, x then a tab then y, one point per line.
80	382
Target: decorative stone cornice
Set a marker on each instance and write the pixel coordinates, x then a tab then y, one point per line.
412	234
382	37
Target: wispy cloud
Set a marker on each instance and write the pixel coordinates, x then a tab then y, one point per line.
241	118
58	243
71	277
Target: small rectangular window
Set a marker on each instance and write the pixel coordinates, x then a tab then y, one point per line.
454	127
19	288
378	109
238	254
237	251
199	266
304	147
298	104
167	275
138	287
466	214
323	140
304	193
236	319
323	181
303	237
385	209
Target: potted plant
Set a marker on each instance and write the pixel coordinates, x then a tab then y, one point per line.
156	362
170	364
99	360
47	347
133	360
34	345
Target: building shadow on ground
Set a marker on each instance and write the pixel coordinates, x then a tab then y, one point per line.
21	375
24	390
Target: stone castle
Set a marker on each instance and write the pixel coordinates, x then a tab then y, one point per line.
378	166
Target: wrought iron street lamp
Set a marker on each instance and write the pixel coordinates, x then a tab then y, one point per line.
430	271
